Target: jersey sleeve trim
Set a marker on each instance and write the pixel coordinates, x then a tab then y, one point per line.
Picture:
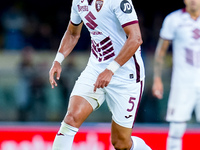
129	23
168	39
75	23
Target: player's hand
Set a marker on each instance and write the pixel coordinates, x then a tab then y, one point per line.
55	69
103	79
157	88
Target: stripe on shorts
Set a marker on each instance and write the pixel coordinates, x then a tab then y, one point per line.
137	66
140	97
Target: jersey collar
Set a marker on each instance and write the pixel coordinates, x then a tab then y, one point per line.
90	2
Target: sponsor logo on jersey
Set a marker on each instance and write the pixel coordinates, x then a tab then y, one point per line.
131	76
126	7
82	8
98	5
96	33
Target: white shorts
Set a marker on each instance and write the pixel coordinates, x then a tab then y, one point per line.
122	98
182	102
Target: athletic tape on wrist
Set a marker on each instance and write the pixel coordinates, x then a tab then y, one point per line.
59	57
113	66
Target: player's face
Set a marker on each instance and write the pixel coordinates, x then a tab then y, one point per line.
192	5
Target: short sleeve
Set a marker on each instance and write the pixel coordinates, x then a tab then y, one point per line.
168	28
74	17
125	12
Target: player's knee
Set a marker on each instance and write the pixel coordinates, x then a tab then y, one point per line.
121	144
177	129
72	119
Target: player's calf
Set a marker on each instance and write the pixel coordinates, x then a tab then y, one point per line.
176	131
64	137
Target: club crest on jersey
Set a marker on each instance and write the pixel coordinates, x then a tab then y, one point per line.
126	7
98	5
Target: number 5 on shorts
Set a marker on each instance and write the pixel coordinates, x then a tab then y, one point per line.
131	101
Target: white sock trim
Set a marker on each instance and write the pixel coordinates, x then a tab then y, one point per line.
134	143
67	129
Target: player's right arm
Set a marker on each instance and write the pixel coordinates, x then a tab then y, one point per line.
161	49
67	44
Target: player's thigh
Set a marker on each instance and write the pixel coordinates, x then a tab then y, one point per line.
83	99
123	101
181	104
84	87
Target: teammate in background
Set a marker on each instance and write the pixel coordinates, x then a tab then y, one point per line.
114	72
182	27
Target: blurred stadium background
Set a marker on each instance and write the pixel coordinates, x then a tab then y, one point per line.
31	112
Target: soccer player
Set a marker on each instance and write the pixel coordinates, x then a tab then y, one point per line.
182	27
114	72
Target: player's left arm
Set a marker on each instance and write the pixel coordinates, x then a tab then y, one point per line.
131	45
